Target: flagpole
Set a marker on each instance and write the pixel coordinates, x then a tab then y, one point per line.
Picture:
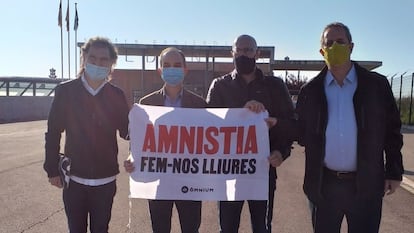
67	28
61	49
76	53
61	36
75	27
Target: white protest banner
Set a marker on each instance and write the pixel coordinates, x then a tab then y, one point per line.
198	154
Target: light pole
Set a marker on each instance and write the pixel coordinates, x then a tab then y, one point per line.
286	72
52	73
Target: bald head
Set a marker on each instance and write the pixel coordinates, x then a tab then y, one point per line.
245	45
245	40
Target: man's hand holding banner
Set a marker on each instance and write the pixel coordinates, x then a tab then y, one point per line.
198	154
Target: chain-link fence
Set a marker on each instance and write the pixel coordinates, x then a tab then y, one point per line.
402	87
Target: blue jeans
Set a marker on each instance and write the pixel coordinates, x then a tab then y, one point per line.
83	200
189	213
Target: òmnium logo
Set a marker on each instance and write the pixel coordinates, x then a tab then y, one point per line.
185	189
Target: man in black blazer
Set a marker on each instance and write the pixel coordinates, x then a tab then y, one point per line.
173	70
348	120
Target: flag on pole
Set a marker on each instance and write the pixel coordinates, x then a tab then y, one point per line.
67	18
76	22
60	14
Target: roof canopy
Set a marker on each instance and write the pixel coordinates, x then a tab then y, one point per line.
213	51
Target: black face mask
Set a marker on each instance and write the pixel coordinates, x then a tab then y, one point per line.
244	64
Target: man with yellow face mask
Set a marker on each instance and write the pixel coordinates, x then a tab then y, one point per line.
348	120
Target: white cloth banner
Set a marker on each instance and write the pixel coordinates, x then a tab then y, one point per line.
198	154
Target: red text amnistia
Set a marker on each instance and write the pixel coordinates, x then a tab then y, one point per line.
200	140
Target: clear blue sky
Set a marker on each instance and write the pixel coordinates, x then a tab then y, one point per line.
382	30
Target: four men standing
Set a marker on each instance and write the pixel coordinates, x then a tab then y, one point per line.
346	118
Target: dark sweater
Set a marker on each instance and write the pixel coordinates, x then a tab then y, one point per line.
90	124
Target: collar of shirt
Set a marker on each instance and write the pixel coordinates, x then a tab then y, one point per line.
350	78
168	102
89	88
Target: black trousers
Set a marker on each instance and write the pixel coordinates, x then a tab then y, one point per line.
189	213
340	199
83	200
261	213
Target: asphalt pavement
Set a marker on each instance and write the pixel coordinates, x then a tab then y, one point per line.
29	204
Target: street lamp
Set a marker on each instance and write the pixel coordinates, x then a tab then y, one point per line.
286	72
52	73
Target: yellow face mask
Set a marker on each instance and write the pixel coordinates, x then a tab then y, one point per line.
337	54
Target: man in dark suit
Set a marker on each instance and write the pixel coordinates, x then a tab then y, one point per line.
173	70
347	120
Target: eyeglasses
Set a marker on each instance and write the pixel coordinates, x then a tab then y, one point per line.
329	43
243	50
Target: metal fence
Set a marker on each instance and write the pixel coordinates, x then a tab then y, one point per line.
28	86
402	87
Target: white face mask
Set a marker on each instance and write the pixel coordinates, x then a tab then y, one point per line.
96	73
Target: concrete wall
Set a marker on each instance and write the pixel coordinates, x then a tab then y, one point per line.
24	108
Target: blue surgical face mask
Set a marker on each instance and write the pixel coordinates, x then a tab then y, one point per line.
96	73
172	75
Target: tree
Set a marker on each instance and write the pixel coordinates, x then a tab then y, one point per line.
294	83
